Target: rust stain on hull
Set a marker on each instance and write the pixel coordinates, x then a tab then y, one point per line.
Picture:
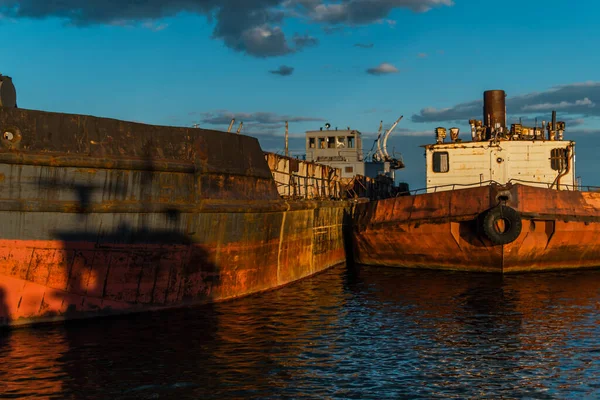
444	230
48	280
102	217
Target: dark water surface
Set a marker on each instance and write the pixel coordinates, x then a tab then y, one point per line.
375	333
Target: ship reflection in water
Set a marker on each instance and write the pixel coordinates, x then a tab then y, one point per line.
373	333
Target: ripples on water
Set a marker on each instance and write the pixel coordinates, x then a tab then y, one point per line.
374	333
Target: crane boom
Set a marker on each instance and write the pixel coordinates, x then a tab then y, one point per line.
387	135
379	152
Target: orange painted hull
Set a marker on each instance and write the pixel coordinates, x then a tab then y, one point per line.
100	216
49	280
442	231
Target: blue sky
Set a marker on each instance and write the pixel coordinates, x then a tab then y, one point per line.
308	61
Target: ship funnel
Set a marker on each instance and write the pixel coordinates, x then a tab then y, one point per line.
494	109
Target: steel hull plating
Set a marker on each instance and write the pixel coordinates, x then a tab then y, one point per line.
560	230
42	280
106	217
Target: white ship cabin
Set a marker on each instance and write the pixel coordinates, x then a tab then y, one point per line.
336	148
532	156
343	149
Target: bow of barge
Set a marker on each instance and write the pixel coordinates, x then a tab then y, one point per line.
102	216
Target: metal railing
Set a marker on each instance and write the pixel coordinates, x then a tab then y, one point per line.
300	187
454	186
549	185
296	179
308	187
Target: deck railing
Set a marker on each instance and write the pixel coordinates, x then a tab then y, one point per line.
454	186
304	180
562	186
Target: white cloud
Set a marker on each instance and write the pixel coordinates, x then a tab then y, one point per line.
224	117
360	12
383	69
559	106
576	100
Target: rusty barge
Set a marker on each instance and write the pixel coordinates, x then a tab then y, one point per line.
102	216
505	201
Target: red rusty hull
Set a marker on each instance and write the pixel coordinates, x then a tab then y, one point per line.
47	280
442	231
101	216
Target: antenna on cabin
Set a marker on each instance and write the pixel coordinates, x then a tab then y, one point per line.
240	127
286	139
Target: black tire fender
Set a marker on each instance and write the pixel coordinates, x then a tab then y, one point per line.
512	224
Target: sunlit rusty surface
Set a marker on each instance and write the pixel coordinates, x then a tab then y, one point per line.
441	230
297	179
102	216
238	254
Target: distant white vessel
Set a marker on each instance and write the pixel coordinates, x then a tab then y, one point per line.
343	149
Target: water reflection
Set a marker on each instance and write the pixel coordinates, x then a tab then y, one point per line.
363	333
475	335
30	366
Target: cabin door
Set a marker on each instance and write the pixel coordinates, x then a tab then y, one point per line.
498	165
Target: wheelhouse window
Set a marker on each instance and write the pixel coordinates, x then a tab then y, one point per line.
440	161
311	143
558	159
350	142
331	142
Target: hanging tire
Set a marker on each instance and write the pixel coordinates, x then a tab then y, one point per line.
502	225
